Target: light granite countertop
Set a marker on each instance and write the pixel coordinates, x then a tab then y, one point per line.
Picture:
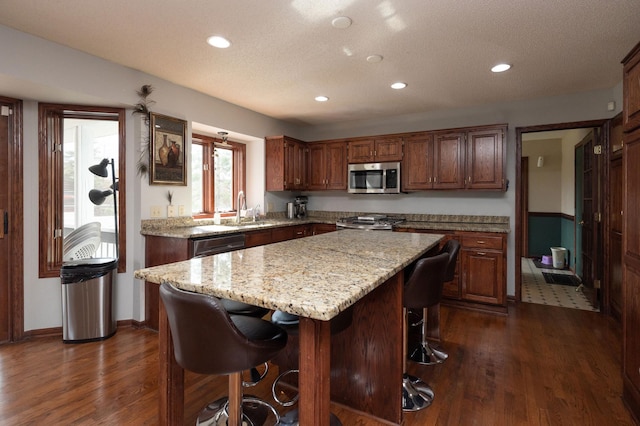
186	227
315	277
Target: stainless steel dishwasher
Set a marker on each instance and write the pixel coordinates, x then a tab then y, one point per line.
207	246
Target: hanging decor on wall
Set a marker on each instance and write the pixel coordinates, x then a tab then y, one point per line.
142	108
166	154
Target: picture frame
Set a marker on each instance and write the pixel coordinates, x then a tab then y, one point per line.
167	150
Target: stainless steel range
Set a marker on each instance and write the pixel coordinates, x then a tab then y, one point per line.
378	222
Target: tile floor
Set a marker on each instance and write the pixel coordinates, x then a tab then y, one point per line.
536	290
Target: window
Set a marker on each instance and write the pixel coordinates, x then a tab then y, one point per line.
73	138
217	174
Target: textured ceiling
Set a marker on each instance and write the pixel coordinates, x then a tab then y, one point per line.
284	53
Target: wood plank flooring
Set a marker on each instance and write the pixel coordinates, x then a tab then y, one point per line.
540	365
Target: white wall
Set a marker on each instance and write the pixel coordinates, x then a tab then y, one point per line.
33	69
545	183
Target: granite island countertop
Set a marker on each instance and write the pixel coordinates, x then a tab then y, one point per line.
316	277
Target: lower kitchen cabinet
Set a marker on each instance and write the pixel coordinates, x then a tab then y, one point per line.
480	282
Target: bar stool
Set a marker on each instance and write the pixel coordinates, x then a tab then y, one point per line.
207	340
290	323
233	307
423	286
424	352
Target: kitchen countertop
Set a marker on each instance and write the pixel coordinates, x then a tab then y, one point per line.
187	227
315	277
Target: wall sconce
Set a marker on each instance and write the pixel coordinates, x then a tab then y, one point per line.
97	196
540	161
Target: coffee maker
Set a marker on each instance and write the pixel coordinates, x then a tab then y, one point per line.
301	206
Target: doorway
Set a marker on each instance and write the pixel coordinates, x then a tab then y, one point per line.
546	217
11	223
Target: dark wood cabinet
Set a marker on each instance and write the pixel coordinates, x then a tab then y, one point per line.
631	90
481	281
322	228
483	269
160	251
417	168
631	233
485	159
449	161
327	166
285	163
379	150
455	160
614	198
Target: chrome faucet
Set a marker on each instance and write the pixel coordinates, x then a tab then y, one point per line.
256	212
240	205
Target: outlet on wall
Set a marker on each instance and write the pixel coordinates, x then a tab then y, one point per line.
171	211
180	210
156	211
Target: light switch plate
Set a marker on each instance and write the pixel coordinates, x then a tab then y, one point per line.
171	211
156	211
180	210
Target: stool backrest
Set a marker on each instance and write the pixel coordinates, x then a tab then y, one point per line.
205	339
424	287
452	247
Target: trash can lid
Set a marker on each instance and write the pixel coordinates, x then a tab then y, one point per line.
83	269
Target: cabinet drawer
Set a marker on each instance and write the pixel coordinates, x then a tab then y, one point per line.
482	241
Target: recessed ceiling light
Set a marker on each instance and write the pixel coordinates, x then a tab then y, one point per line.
501	68
218	41
322	98
341	22
372	59
399	85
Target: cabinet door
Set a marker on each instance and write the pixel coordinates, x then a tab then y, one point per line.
317	166
631	90
257	238
418	163
275	160
322	228
448	160
298	165
482	272
387	149
290	158
336	165
485	160
361	151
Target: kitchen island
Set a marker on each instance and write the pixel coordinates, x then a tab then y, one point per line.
315	278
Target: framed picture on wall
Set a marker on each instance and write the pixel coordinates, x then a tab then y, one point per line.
167	150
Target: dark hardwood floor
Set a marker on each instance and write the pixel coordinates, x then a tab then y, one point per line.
540	365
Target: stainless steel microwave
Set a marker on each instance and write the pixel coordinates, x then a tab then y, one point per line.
374	178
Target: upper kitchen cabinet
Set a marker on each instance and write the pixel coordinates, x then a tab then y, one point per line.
448	160
417	168
378	150
631	90
327	166
286	164
485	159
455	159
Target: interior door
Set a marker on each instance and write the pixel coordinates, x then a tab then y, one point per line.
588	224
579	222
5	310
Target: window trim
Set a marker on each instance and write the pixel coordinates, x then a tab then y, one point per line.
239	174
51	181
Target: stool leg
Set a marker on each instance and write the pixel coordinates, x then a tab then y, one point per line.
416	394
424	353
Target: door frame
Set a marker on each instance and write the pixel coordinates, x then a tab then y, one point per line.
16	219
602	124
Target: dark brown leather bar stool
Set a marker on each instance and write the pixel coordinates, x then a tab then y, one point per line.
233	307
423	286
207	340
290	323
425	352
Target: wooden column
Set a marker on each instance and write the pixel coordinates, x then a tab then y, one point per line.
171	381
315	372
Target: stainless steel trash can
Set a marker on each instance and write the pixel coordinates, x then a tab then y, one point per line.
87	299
